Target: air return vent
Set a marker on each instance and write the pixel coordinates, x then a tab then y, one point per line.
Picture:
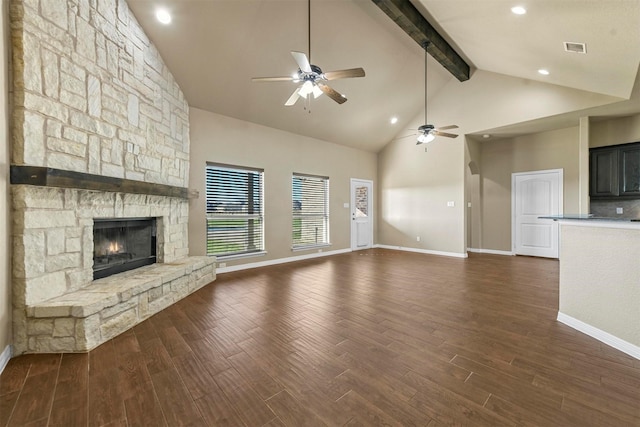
575	47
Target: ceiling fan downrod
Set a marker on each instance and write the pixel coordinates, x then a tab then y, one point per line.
425	131
309	30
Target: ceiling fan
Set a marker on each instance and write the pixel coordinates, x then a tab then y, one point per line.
427	132
312	78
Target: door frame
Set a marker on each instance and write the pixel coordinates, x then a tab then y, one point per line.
560	173
352	228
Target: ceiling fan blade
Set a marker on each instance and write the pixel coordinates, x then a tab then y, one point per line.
302	60
272	79
448	135
343	74
448	127
332	93
293	98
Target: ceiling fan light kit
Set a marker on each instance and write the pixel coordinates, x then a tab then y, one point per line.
312	77
425	138
425	135
307	88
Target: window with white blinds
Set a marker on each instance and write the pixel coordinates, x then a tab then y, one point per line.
235	222
310	210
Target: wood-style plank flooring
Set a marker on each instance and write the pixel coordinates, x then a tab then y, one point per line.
374	337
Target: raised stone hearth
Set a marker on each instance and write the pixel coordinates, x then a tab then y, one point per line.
81	320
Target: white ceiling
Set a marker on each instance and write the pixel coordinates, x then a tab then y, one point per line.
214	47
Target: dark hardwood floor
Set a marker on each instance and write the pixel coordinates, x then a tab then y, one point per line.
374	337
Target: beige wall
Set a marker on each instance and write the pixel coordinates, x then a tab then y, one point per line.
473	194
414	188
489	100
221	139
558	149
615	131
5	230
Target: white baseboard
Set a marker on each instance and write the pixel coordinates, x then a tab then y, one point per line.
328	253
490	251
422	251
279	261
5	356
602	336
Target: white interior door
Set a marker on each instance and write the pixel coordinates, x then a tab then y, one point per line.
536	194
361	214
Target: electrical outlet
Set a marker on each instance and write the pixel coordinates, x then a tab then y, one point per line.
417	238
451	204
619	211
222	264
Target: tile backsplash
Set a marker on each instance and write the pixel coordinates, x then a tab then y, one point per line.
607	208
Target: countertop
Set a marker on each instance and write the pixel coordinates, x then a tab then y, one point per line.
589	217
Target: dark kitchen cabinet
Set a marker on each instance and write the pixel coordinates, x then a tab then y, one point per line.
614	171
603	171
629	163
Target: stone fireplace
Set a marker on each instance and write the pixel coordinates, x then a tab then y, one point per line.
100	130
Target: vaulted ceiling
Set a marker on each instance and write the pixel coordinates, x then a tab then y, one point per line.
214	47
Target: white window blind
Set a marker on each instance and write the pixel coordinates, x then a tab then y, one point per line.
235	222
310	210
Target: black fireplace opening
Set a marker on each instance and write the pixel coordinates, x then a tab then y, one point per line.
121	244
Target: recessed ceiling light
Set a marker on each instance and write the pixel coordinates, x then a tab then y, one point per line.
518	10
486	136
543	72
163	16
394	120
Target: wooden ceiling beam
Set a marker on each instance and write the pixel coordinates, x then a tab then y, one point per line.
407	17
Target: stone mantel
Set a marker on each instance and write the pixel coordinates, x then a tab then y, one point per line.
50	177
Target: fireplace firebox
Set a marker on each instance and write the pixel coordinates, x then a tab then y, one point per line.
121	244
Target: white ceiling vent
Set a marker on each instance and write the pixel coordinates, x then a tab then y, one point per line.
575	47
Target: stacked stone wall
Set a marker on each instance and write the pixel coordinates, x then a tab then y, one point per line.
92	93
